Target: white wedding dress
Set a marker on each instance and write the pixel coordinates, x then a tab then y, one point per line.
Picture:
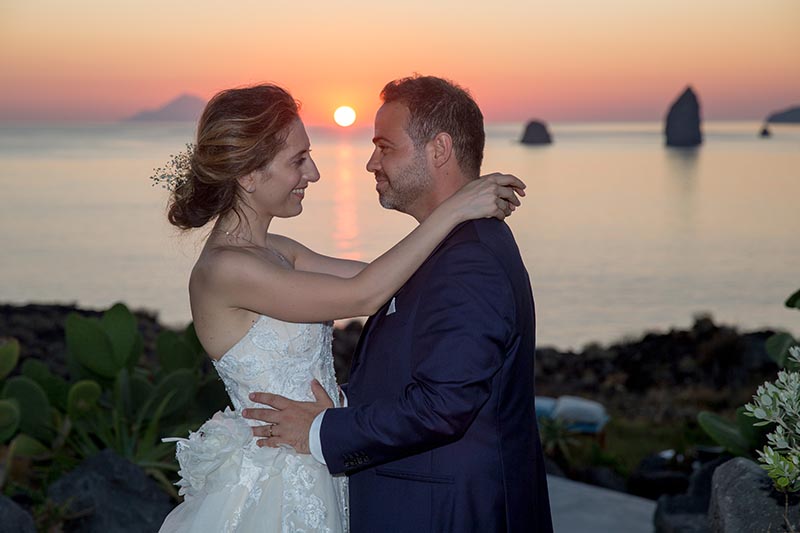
228	482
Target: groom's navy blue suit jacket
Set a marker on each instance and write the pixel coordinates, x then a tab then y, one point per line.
441	430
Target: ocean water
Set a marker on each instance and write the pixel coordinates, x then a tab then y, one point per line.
620	234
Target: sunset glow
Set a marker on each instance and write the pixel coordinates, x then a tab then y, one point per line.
569	61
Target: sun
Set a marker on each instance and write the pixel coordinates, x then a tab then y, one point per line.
344	116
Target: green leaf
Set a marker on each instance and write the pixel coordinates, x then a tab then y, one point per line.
85	446
190	336
9	356
136	353
27	446
122	393
778	347
183	383
121	328
147	441
34	407
55	386
794	300
174	353
88	341
9	419
141	390
724	433
82	398
751	433
211	397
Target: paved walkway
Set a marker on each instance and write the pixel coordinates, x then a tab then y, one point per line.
581	508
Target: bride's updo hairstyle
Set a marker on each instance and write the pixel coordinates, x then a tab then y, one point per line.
241	130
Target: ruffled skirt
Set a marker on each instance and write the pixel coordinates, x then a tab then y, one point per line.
231	485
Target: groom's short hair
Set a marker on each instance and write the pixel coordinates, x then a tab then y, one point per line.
437	105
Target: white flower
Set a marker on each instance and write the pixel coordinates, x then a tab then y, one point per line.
212	456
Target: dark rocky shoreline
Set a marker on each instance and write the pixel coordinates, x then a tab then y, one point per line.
663	376
660	376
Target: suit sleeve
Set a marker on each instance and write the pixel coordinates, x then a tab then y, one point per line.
462	328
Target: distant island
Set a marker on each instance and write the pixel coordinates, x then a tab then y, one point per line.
786	116
184	108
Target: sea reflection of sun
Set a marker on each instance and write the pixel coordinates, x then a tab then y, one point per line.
345	232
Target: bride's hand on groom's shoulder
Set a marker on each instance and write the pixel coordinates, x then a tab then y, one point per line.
286	421
491	195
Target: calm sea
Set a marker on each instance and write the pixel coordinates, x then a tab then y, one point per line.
620	235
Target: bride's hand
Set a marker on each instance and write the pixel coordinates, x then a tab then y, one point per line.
492	195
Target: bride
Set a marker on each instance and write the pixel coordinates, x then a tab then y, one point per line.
262	306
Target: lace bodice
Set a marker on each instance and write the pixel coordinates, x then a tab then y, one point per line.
232	485
281	358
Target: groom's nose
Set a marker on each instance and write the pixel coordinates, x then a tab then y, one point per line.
374	163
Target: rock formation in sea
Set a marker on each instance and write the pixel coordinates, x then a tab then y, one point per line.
184	108
536	133
786	116
682	127
765	131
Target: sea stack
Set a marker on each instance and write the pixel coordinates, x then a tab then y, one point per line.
683	121
536	133
765	131
786	116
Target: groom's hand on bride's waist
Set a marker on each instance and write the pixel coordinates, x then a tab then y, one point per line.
288	421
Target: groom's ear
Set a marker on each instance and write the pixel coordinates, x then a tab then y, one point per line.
441	149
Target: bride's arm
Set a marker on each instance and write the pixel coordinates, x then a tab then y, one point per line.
308	260
240	280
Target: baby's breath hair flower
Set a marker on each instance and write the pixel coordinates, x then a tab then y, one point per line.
176	171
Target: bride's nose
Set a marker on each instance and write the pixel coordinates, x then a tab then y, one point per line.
312	174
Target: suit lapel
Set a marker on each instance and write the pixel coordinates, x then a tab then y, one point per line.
362	341
374	320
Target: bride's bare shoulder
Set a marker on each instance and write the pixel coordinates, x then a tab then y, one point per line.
223	266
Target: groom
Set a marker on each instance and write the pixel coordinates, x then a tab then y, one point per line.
440	433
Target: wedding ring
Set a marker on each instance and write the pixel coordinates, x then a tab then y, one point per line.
269	431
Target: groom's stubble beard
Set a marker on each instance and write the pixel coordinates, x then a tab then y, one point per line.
407	185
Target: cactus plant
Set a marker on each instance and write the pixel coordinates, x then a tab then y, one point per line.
101	348
109	401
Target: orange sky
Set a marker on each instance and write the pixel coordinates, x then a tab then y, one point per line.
565	60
